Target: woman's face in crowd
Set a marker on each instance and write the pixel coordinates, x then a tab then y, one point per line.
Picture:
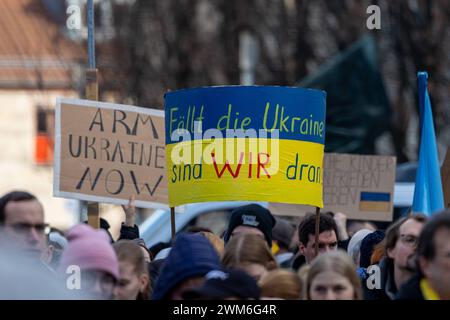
98	284
129	283
329	285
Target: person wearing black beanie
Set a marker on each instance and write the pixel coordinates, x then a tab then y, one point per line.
251	218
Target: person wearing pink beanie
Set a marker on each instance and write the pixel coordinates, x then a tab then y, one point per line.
90	252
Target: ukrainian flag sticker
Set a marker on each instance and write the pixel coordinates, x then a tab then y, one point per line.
374	201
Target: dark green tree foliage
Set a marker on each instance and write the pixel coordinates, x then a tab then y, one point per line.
357	105
170	44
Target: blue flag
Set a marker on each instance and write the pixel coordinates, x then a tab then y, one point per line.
428	195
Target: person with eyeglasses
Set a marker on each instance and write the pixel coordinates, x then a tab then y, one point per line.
432	280
398	264
22	220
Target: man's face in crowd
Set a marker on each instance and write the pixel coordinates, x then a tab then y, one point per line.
130	283
437	271
405	247
24	223
246	230
327	242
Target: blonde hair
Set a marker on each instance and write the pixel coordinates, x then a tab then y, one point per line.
246	249
128	251
338	262
216	242
281	283
303	275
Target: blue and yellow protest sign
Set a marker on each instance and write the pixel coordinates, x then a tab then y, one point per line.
239	143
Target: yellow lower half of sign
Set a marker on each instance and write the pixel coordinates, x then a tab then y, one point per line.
378	206
245	169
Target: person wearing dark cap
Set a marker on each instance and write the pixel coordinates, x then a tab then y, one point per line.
230	284
251	218
190	258
282	235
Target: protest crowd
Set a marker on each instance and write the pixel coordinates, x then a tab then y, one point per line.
259	257
299	113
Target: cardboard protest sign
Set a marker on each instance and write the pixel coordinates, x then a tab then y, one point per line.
106	152
445	174
360	186
245	143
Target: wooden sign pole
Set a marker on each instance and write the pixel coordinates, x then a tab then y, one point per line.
316	244
92	94
172	222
